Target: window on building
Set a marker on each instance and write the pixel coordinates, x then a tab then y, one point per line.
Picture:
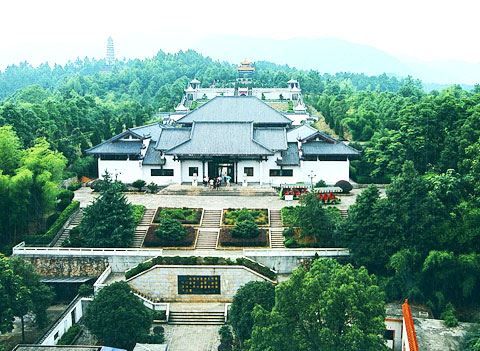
332	158
281	172
248	171
389	334
55	337
134	157
161	172
193	171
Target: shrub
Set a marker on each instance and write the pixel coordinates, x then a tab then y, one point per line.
184	215
320	184
449	316
159	316
74	186
345	185
171	230
289	215
138	211
226	338
245	215
70	335
139	184
85	290
51	219
57	225
288	233
153	188
65	195
245	229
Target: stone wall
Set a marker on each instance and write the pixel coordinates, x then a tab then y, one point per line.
78	266
161	282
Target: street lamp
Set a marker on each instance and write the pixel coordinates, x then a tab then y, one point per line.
311	176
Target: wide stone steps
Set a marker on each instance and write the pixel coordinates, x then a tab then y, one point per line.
196	318
344	213
276	239
275	219
147	217
211	218
66	232
207	239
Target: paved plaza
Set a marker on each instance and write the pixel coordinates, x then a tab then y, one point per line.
86	196
192	337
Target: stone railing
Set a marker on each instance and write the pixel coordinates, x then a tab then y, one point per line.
21	249
154	306
100	282
321	252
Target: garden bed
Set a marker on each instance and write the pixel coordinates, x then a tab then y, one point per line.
289	215
152	240
230	215
226	239
184	215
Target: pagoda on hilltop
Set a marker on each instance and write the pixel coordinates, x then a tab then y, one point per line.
245	72
110	57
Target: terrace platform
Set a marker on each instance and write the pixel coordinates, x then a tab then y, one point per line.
232	190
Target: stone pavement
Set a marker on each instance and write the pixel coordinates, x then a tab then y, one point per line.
192	337
152	201
86	196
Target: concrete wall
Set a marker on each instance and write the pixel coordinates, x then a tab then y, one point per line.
162	180
161	282
124	171
68	318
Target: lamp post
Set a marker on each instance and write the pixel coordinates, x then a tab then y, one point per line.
311	176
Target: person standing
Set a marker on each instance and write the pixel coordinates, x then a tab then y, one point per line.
212	184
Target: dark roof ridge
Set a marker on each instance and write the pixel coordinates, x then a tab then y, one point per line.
115	138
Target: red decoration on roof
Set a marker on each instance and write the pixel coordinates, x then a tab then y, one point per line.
409	327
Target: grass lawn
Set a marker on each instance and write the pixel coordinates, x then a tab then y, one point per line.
230	215
184	215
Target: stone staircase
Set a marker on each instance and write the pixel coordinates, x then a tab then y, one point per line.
211	219
196	318
66	232
142	228
275	219
234	190
276	238
147	218
207	239
344	213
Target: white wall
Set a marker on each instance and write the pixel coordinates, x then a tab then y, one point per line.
192	163
124	171
66	322
162	180
256	171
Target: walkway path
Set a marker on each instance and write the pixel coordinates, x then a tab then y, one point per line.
192	337
66	232
142	228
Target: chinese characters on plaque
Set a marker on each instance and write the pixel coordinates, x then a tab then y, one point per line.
199	284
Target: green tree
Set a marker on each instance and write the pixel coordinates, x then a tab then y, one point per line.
108	222
22	292
329	307
170	229
117	317
245	299
314	220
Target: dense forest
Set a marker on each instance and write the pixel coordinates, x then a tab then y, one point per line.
426	146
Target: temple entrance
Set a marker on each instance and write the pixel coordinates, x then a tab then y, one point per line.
223	169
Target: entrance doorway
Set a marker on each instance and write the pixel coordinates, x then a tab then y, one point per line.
223	169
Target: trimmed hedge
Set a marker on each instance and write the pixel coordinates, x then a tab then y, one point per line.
70	335
200	261
74	186
54	229
226	239
152	239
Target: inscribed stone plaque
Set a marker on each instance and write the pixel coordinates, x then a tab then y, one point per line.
198	284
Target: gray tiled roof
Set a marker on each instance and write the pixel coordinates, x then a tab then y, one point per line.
235	109
302	131
172	137
221	139
152	156
272	138
290	157
117	148
325	148
153	130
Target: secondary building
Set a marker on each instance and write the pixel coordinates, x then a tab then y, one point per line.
241	137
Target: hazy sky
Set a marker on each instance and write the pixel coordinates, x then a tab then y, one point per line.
55	31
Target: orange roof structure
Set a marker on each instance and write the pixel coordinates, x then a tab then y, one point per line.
245	68
245	62
409	327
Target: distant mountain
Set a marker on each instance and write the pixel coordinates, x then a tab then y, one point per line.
335	55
